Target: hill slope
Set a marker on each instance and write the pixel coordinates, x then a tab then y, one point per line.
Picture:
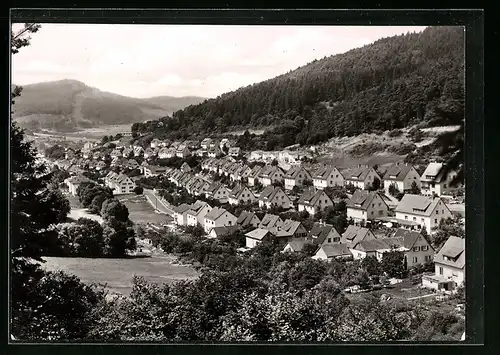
392	83
69	105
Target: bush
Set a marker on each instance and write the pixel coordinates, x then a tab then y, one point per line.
138	190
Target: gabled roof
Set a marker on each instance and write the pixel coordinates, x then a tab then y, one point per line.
182	208
294	171
238	190
255	171
433	169
269	170
418	205
409	237
297	244
197	207
354	234
270	221
335	250
311	198
215	213
452	253
79	179
245	218
269	192
324	172
224	230
361	199
397	172
378	244
358	174
234	150
258	234
320	232
288	228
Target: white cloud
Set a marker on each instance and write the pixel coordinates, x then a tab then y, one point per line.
170	80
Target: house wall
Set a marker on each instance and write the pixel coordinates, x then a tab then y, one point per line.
377	208
358	254
320	254
281	199
227	219
266	181
251	243
420	255
429	188
309	209
410	178
451	273
440	212
290	183
320	184
356	183
335	179
356	214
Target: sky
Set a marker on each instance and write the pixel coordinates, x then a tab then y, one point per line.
181	60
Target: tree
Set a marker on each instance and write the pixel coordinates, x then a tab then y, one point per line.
138	190
393	263
274	162
309	249
414	190
375	184
393	190
372	265
92	244
114	209
105	140
119	237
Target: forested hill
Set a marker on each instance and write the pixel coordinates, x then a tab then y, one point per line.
391	83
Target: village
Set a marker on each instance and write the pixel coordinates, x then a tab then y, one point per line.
376	208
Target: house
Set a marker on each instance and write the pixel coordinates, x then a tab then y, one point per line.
153	170
355	234
182	151
181	214
234	151
214	152
419	250
271	174
449	266
366	205
218	232
313	201
294	245
436	179
100	165
241	195
296	176
235	174
253	178
289	230
327	176
244	173
166	153
133	164
196	213
257	236
247	219
224	143
138	151
155	143
74	182
115	153
148	153
205	143
323	233
185	167
217	192
119	183
332	251
218	217
402	176
361	177
274	196
417	212
231	171
270	222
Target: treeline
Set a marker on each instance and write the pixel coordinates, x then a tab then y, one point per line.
392	83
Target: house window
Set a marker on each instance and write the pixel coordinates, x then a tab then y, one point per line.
440	270
433	185
427	258
329	240
414	218
424	248
442	211
379	204
444	186
406	217
372	213
437	211
416	249
415	259
421	219
337	175
373	205
435	220
380	212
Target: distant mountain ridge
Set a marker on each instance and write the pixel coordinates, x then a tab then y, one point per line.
70	105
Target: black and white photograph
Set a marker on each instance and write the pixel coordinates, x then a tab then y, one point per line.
237	183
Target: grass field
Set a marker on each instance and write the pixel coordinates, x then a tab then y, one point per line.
117	274
142	212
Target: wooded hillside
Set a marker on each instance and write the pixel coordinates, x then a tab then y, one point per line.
392	83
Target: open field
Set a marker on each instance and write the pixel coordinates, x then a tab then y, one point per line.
117	274
142	212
